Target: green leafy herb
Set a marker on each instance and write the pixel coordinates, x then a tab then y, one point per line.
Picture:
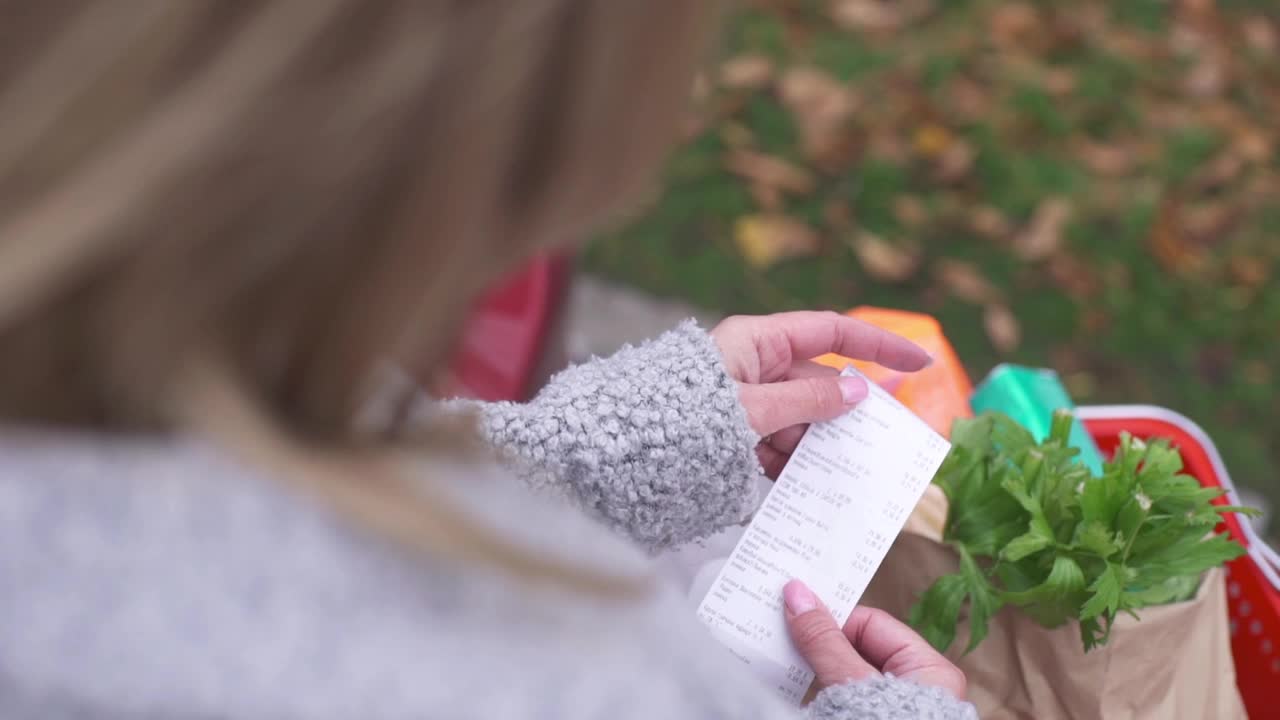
1035	529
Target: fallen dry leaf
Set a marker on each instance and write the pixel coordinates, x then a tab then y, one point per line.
1060	81
968	99
1094	321
768	177
910	211
1170	245
1209	223
838	152
1207	78
1011	22
1260	35
1252	144
821	106
1186	41
1002	327
1109	160
1220	171
867	15
746	72
963	280
1251	272
767	239
807	89
954	164
884	261
769	171
1042	236
1091	19
885	144
1076	279
767	197
932	140
837	214
1223	116
1134	44
989	222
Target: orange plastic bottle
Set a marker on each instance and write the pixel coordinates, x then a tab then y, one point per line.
938	394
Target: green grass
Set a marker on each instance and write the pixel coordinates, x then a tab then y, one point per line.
1188	150
1166	320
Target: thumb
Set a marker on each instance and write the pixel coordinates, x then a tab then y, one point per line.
774	406
819	640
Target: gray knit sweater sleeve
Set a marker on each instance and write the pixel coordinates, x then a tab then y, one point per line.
888	698
651	440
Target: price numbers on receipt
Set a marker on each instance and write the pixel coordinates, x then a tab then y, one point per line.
828	521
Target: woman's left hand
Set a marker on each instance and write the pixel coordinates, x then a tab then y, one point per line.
783	390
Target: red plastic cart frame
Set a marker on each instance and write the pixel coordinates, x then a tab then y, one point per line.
1253	588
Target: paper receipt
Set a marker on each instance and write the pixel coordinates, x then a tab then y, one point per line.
828	521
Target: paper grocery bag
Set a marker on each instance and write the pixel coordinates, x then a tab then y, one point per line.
1172	664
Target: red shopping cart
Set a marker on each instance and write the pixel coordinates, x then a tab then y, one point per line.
508	341
1253	584
509	332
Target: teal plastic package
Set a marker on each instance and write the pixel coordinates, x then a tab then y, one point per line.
1030	396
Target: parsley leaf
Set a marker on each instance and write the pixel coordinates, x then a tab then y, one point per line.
1035	529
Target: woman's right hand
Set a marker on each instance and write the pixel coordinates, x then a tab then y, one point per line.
872	642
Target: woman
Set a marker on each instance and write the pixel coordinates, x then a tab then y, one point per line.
220	221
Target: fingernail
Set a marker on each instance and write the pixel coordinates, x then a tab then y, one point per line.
798	598
853	390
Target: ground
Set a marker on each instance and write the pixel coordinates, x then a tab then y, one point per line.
1088	186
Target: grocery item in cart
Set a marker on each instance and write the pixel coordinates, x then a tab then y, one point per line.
938	394
1030	396
1175	662
1252	583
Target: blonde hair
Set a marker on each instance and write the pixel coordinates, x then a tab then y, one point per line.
230	214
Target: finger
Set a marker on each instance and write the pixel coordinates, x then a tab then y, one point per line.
889	644
771	460
809	334
786	439
819	640
879	636
808	369
774	406
801	369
